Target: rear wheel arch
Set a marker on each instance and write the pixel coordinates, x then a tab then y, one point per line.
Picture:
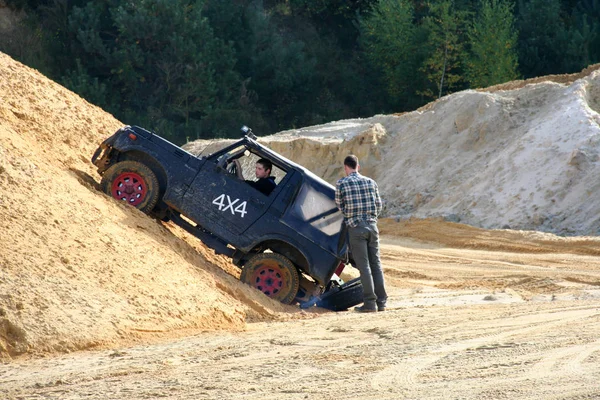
286	249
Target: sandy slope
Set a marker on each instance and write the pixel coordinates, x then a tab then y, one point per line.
78	269
474	313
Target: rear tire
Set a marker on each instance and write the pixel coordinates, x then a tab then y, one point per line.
341	298
132	182
274	275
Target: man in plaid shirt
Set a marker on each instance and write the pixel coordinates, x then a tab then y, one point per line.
358	198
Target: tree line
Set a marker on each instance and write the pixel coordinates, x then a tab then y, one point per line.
193	69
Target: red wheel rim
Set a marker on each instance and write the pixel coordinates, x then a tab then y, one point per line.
129	187
269	279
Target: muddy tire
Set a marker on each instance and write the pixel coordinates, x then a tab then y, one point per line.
133	183
342	297
274	275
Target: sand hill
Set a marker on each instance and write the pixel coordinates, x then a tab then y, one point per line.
78	269
523	155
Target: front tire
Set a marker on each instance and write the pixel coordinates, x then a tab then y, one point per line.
274	275
132	182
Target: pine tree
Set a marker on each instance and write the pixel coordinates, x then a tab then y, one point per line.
445	25
389	40
337	17
493	39
541	33
158	59
584	36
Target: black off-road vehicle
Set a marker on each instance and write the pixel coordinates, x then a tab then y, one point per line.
290	244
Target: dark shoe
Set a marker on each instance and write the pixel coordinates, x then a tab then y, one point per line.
380	308
364	309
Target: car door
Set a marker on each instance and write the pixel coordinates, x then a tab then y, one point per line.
222	203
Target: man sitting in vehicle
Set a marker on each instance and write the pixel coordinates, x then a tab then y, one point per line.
265	183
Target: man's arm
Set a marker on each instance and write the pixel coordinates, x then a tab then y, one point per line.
378	202
339	197
238	169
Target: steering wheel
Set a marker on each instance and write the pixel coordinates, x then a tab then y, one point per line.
232	168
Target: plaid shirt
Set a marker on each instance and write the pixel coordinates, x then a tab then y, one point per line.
358	199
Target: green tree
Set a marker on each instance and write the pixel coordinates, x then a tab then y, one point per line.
584	36
280	71
279	78
541	37
445	25
579	47
158	59
21	4
337	17
389	40
493	45
294	73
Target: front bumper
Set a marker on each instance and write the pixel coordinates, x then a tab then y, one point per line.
103	154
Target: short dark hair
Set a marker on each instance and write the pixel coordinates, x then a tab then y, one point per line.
351	161
267	164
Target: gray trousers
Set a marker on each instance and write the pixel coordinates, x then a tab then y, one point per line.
364	245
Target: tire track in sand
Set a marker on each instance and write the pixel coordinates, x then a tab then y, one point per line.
405	373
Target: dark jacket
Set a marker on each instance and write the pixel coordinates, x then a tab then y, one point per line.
264	185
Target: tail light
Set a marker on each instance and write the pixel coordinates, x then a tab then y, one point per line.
340	268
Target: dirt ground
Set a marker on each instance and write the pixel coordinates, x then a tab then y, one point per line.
478	314
99	301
